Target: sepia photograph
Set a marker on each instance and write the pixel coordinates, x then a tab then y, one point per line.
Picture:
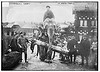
49	35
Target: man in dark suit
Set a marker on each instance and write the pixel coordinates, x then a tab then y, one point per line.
72	50
48	14
85	49
22	42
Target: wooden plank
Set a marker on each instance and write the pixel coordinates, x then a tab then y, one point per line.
53	47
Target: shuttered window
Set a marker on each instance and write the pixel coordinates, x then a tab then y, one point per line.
85	23
92	23
81	23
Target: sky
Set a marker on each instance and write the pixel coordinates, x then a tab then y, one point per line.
35	12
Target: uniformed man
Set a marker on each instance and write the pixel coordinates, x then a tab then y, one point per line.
72	49
14	45
32	41
22	42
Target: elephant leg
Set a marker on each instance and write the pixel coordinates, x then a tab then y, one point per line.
41	53
46	49
62	57
49	52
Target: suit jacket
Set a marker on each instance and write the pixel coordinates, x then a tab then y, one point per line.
23	42
71	44
48	14
85	47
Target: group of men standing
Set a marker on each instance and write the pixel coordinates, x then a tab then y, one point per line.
17	42
82	48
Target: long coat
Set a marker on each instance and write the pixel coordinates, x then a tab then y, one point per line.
23	42
14	45
85	47
71	45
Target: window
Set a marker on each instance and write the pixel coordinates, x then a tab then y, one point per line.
96	23
81	23
92	22
85	23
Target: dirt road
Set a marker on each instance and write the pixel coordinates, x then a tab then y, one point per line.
34	63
